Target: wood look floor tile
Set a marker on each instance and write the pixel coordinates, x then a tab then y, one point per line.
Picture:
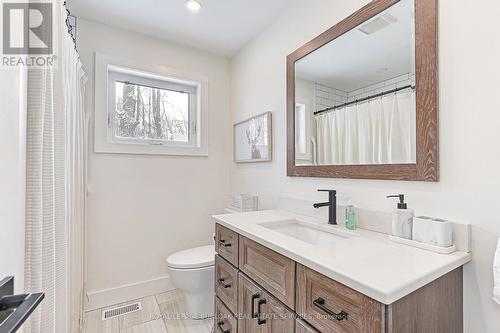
149	311
154	326
170	296
172	308
95	324
163	313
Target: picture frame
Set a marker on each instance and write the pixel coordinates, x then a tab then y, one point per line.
252	139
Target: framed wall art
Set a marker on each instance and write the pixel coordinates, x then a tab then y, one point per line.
253	139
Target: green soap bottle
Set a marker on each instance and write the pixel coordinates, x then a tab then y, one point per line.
350	216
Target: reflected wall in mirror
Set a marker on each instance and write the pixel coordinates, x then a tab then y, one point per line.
359	107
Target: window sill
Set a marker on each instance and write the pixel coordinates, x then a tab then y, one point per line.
140	149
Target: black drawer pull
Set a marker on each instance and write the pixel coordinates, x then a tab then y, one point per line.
320	303
260	321
223	283
222	242
254	297
220	324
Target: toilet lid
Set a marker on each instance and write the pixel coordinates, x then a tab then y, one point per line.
197	257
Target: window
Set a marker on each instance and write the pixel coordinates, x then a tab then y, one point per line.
148	109
300	128
142	110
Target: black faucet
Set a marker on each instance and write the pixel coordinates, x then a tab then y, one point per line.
332	205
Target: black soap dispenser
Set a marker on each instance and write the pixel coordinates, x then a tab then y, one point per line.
402	218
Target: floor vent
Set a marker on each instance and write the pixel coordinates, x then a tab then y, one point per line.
120	311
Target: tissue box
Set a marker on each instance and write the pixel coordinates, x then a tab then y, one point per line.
243	202
433	231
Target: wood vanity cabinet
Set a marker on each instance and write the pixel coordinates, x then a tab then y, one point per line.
224	322
303	327
261	291
226	244
273	271
333	307
226	283
261	312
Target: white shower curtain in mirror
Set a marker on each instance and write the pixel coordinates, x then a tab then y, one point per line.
56	187
379	131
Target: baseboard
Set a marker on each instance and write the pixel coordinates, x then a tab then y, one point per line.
102	298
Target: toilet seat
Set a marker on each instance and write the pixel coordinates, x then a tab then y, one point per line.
198	257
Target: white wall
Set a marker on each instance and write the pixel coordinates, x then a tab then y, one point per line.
469	131
143	208
12	174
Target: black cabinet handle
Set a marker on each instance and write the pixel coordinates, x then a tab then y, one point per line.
222	242
223	283
220	324
254	297
260	321
320	303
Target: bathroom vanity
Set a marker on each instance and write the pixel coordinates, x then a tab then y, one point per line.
276	271
362	103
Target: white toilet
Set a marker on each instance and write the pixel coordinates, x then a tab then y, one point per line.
192	272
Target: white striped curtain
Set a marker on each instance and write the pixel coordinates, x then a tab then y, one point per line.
55	188
379	131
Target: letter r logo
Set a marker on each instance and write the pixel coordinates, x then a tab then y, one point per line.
27	28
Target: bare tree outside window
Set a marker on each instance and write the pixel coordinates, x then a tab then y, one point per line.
148	113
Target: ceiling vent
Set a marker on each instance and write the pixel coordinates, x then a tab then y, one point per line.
121	310
378	23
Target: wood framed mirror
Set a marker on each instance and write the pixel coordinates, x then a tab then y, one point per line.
362	97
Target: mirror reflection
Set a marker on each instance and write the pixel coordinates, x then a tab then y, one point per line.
355	96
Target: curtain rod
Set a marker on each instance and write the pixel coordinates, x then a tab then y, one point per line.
152	87
364	99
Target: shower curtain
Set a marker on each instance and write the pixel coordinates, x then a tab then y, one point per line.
379	131
56	160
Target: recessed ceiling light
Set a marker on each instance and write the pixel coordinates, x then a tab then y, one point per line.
193	5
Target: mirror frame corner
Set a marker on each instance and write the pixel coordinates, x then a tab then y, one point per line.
426	167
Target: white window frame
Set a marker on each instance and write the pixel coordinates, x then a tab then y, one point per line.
109	69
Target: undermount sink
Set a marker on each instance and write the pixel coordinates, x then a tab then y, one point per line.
307	232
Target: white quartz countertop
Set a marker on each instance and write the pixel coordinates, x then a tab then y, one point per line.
366	261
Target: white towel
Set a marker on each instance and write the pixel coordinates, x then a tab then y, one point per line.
496	275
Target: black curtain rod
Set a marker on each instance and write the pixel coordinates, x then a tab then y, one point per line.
364	99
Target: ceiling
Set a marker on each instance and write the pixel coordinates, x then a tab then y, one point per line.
356	60
221	26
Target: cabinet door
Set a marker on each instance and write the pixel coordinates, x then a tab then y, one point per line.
271	270
278	319
302	327
259	312
248	296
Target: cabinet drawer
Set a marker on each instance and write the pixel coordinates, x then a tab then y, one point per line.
323	301
303	327
226	283
259	312
224	321
226	244
271	270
